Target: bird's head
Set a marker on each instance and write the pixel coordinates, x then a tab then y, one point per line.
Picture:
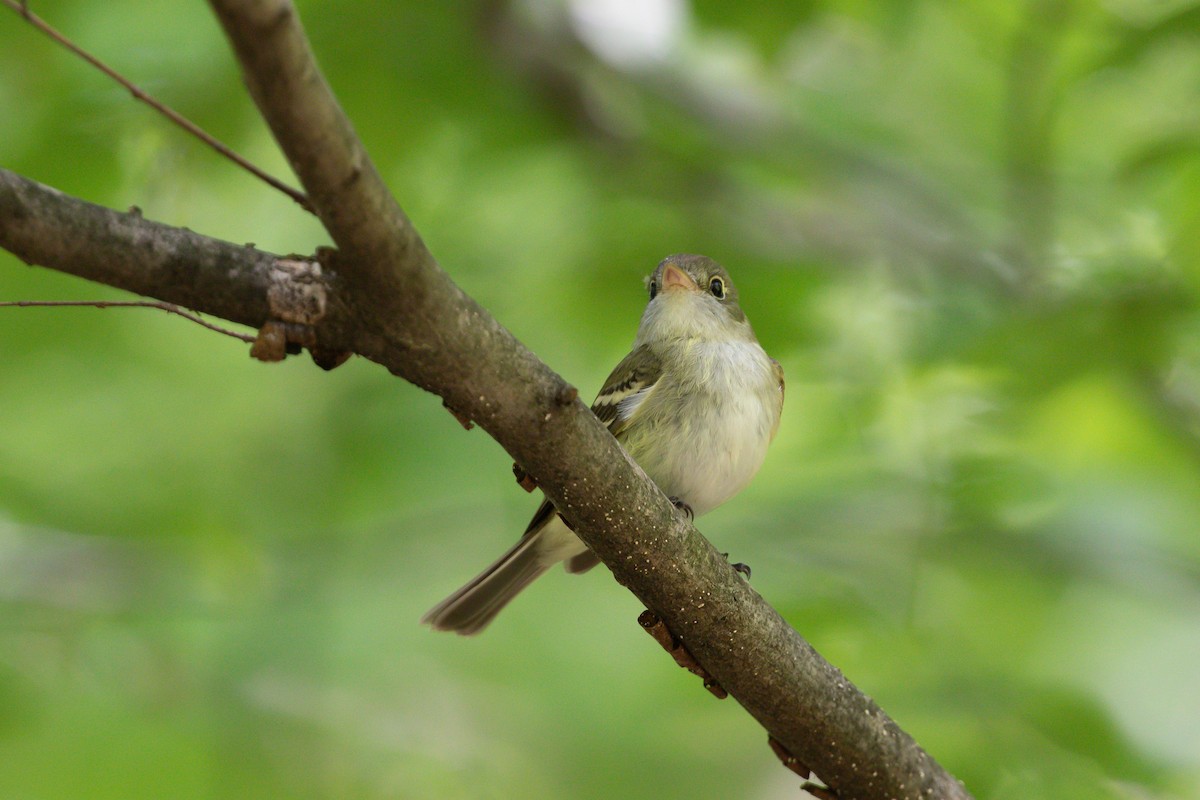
692	297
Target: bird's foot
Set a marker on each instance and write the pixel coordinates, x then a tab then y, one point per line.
739	567
682	506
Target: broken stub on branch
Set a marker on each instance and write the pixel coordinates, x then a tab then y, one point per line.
296	296
658	629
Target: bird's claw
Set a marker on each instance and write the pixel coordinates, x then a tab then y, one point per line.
682	506
739	567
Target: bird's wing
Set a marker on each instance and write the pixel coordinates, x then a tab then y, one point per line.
630	383
778	371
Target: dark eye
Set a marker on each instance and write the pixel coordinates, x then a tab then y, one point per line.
653	289
717	287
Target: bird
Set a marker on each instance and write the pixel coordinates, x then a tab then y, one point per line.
695	403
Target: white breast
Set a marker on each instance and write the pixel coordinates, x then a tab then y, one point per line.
718	422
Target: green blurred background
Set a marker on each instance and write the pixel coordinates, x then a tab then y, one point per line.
969	231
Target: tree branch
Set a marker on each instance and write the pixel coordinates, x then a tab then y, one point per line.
389	301
43	226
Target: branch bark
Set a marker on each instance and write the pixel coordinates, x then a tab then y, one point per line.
389	301
43	226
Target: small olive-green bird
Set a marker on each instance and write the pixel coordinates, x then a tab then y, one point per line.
695	403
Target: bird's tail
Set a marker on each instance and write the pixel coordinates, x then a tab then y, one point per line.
546	542
472	607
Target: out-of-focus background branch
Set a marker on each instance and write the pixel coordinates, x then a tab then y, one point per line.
969	232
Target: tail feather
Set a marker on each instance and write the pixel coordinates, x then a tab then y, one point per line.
471	608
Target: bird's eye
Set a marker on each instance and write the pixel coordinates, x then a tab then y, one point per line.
717	287
653	289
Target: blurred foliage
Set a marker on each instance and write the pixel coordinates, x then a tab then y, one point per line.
970	232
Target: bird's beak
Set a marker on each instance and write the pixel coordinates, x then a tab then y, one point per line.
675	278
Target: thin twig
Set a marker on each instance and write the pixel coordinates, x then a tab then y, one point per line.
22	8
168	307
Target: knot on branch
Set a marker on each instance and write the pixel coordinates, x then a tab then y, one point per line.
566	394
669	642
296	297
296	292
464	419
524	479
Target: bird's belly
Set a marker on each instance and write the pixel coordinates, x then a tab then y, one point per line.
717	446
